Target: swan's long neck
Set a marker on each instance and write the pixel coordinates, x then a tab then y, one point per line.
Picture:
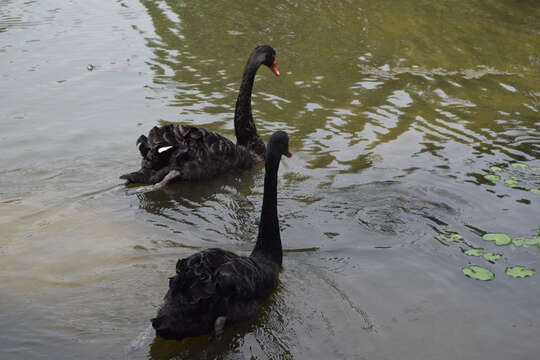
269	241
244	127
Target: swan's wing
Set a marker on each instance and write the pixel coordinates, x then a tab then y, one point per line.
200	142
195	152
194	280
217	273
243	279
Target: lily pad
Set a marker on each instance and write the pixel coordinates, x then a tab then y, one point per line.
499	238
518	241
532	241
491	177
535	191
495	168
491	257
510	183
451	238
519	271
520	166
478	273
535	168
473	252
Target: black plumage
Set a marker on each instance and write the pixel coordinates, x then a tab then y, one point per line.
187	153
215	286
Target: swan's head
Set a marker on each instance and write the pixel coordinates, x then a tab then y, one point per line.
265	54
278	144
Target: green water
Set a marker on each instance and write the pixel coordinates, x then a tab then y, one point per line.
399	114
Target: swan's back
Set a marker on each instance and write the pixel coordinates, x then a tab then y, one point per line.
210	284
195	153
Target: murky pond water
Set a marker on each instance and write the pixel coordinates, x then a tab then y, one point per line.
397	112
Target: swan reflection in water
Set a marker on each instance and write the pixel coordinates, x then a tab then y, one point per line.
232	200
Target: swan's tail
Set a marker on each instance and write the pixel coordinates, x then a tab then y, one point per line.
136	177
142	143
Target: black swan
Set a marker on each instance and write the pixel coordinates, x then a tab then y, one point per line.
184	153
216	286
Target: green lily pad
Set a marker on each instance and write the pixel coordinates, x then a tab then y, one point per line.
478	273
535	168
510	183
473	252
491	177
520	166
535	191
495	168
526	242
499	238
491	257
531	241
451	238
519	272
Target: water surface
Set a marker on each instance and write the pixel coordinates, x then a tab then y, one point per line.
396	113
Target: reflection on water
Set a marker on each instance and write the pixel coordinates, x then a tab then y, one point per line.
406	120
203	206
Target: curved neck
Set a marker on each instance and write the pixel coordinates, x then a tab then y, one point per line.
244	127
269	241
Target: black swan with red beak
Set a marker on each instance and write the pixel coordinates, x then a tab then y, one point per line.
187	153
214	287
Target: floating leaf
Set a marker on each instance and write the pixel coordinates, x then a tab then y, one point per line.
531	241
519	272
510	183
521	241
478	273
534	168
473	252
451	238
495	168
444	238
491	177
520	166
535	191
499	238
491	257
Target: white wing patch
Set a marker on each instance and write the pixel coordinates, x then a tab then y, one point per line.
164	148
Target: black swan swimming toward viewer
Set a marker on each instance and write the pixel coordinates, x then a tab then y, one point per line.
187	153
215	286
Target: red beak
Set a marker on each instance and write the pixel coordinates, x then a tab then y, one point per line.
274	69
288	153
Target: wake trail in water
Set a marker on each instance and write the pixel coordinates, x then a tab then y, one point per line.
144	338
